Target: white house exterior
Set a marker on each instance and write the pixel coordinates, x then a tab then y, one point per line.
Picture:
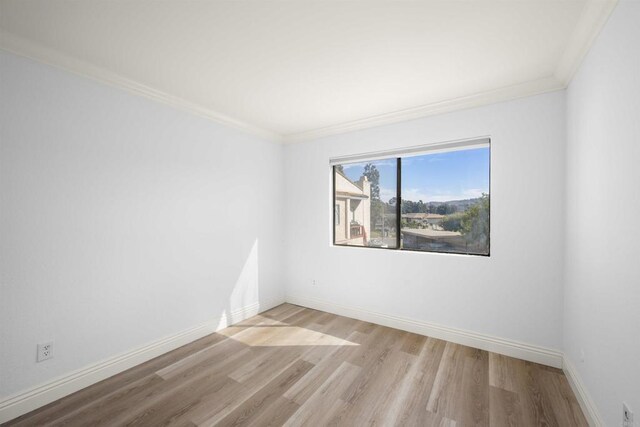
352	215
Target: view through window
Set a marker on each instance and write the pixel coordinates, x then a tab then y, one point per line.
444	202
363	214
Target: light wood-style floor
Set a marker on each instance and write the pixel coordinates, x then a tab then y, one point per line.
296	366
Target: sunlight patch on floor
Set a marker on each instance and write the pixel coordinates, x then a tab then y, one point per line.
281	335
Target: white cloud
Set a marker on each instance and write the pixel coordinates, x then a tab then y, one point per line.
415	194
387	193
377	163
389	162
351	166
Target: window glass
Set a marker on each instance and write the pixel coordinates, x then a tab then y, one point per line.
364	204
445	202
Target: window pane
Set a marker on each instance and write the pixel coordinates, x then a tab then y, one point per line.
445	202
364	203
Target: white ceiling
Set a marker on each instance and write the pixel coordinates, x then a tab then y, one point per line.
300	68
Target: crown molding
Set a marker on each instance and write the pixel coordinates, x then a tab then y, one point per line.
593	18
26	48
530	88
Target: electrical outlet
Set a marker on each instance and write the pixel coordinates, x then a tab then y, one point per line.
582	355
627	416
314	282
45	351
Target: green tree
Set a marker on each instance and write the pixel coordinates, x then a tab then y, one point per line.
445	209
373	175
452	222
475	222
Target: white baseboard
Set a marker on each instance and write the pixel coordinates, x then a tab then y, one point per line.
584	398
516	349
26	401
13	406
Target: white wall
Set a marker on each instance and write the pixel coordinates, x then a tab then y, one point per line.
122	221
602	299
515	294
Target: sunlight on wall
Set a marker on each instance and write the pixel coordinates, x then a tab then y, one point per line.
224	320
246	290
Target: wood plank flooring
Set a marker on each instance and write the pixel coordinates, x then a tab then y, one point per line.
295	366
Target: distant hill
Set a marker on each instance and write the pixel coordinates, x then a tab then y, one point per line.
461	205
444	208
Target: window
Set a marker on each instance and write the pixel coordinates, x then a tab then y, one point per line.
368	219
433	198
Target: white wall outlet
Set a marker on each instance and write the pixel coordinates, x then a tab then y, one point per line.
582	355
314	282
45	351
627	416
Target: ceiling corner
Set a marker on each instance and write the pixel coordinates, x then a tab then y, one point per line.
28	49
530	88
593	18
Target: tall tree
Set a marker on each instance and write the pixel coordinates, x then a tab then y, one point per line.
373	175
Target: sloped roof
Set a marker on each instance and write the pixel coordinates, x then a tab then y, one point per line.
356	183
349	195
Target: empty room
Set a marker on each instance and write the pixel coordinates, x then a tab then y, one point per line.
320	212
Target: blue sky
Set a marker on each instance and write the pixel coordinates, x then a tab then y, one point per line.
439	177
